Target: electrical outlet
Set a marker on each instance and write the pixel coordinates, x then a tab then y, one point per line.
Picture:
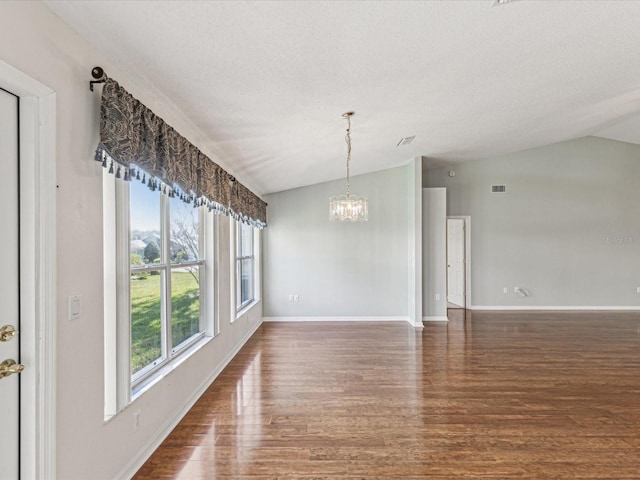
296	298
136	420
505	290
638	290
437	296
291	298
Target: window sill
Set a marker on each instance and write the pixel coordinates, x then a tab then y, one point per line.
160	374
168	368
246	309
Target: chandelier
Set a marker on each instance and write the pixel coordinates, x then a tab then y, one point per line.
348	207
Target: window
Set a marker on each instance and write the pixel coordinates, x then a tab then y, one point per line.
158	286
245	265
166	262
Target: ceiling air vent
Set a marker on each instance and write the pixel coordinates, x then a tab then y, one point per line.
405	141
498	188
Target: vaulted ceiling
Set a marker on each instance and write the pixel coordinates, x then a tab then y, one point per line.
266	82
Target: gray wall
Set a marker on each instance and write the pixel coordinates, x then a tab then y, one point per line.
37	42
567	229
434	253
336	269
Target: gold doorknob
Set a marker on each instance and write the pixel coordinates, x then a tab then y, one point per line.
7	332
9	367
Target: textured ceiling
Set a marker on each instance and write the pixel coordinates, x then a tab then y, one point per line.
266	82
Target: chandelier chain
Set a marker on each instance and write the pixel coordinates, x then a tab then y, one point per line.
348	140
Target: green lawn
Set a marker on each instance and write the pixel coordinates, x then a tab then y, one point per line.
145	315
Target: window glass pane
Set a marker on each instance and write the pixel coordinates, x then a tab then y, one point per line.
238	284
185	304
247	240
144	208
246	280
146	319
185	232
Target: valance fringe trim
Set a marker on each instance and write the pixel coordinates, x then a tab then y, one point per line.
137	144
131	172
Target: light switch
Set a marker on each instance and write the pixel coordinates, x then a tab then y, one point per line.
75	307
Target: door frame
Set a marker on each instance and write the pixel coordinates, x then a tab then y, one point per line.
37	165
467	259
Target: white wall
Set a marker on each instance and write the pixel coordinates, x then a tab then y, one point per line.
434	253
414	231
566	229
35	41
339	269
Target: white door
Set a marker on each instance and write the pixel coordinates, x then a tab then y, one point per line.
455	261
9	290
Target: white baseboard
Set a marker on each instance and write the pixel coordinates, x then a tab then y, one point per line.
631	308
336	319
435	319
132	467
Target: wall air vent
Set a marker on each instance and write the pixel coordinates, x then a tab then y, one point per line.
498	188
405	141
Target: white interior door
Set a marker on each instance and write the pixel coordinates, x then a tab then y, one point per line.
9	290
455	261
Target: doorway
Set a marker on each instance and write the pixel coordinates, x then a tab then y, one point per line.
458	262
27	286
10	366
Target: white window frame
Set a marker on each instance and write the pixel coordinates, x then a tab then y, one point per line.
121	387
238	311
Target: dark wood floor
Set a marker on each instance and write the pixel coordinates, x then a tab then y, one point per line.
490	395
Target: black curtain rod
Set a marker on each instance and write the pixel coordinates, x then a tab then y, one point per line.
99	75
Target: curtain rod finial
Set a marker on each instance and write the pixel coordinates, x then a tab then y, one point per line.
98	73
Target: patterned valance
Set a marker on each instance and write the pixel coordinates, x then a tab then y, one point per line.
131	136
